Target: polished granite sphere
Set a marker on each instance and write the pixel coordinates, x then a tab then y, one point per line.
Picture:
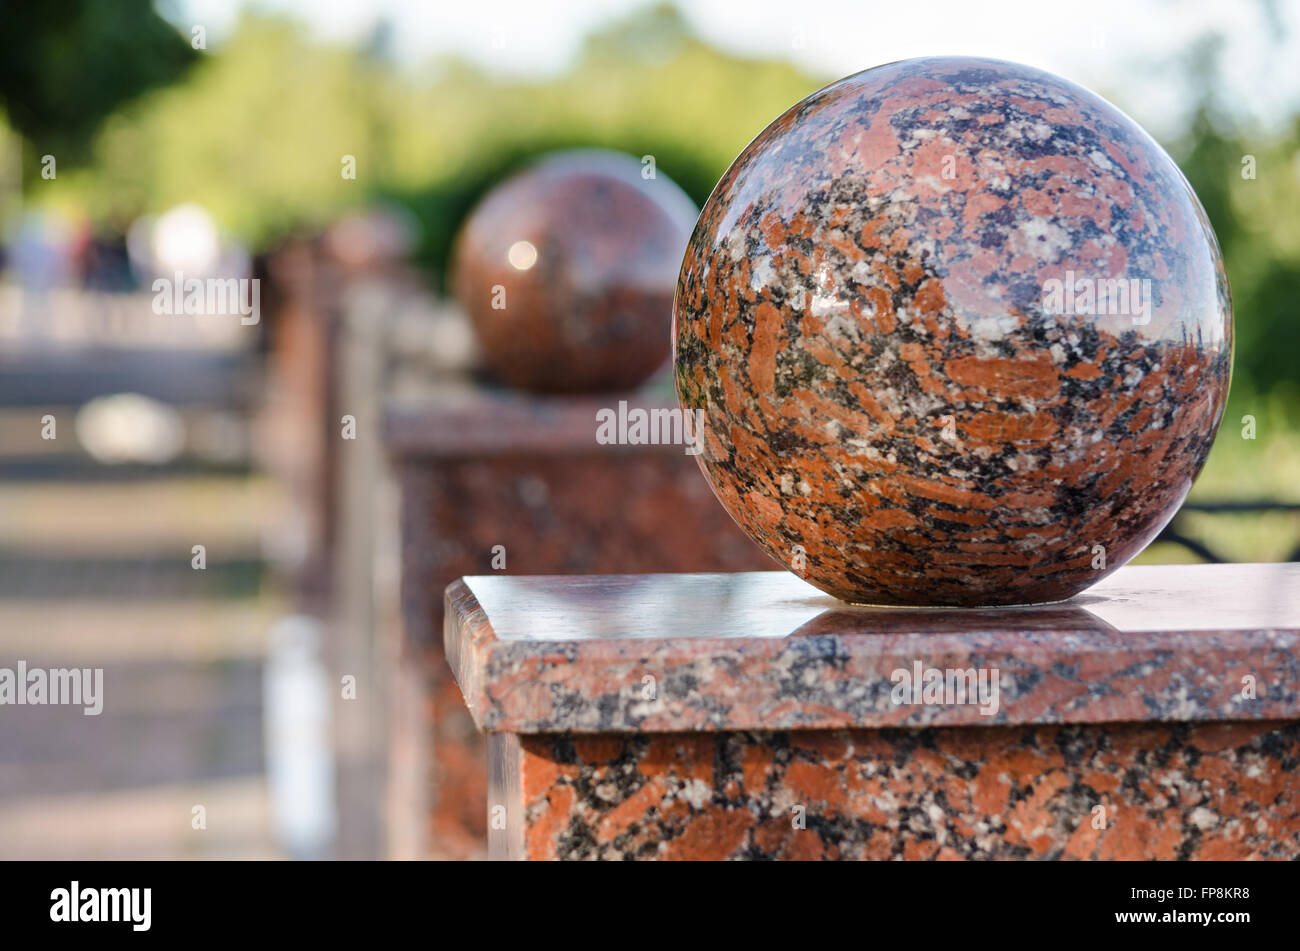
961	335
567	272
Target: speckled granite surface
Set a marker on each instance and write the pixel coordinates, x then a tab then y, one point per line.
751	716
958	328
766	651
1118	791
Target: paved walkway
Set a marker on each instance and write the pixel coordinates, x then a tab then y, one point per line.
96	573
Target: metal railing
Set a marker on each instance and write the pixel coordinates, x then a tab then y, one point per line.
1177	532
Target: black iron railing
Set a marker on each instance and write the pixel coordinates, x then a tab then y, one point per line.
1177	531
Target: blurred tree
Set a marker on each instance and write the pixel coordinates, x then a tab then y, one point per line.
644	85
65	65
257	130
1249	183
257	134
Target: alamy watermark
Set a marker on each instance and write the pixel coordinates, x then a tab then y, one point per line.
1100	297
56	686
77	903
210	296
945	686
651	427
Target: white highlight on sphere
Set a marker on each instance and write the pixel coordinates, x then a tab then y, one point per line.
522	255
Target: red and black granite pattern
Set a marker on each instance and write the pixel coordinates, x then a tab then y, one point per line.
567	270
1119	791
896	406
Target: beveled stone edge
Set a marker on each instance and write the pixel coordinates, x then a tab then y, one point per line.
499	423
477	656
466	637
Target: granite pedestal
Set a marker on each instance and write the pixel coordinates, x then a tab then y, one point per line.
750	716
517	484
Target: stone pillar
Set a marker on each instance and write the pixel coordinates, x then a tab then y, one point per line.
749	716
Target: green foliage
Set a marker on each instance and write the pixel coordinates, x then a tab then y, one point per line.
257	131
1257	220
65	65
257	134
643	86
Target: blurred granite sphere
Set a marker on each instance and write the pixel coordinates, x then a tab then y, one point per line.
567	270
961	334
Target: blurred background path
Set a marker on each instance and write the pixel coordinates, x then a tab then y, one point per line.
96	571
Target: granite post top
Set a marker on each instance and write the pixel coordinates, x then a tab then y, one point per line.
767	651
486	421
